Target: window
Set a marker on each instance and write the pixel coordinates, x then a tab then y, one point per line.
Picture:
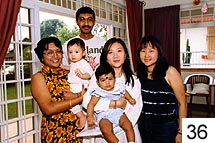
17	106
19	113
197	37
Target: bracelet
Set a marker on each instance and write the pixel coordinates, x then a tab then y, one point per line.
70	103
179	131
89	115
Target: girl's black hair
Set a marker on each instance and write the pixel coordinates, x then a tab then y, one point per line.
161	63
126	67
42	45
104	69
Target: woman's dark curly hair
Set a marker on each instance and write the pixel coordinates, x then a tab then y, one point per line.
42	45
126	67
161	66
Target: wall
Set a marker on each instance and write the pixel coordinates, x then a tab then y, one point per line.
161	3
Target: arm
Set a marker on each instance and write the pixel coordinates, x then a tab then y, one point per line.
85	71
133	111
85	76
43	97
129	98
65	67
175	81
90	110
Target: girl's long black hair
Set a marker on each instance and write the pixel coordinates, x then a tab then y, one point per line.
161	66
126	65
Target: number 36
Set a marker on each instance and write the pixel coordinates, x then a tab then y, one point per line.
200	131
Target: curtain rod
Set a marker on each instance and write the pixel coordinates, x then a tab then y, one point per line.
143	2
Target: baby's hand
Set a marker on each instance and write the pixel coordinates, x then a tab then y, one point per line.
132	101
62	66
82	122
91	121
78	73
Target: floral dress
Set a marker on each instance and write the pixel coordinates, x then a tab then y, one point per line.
62	127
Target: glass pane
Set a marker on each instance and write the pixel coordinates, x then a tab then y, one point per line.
95	2
74	5
27	88
25	15
196	12
64	3
9	71
13	129
27	52
25	34
102	4
12	110
59	2
110	11
11	91
185	13
69	4
10	56
96	10
103	14
28	106
27	70
120	15
53	2
115	16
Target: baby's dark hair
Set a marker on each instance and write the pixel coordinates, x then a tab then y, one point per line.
77	41
104	69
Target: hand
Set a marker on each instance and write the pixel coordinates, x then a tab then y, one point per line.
68	94
121	103
178	138
132	101
82	122
78	73
62	66
91	121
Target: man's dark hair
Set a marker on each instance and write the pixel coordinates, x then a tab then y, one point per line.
84	10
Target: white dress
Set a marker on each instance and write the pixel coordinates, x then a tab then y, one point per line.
132	111
75	82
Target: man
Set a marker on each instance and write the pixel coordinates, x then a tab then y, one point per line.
85	19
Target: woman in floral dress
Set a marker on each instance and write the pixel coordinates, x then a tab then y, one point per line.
50	88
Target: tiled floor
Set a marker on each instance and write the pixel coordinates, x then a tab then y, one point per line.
200	111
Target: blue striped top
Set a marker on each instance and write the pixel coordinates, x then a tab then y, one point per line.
159	101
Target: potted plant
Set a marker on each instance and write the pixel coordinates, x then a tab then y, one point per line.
187	55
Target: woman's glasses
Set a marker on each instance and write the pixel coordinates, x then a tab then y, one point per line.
50	53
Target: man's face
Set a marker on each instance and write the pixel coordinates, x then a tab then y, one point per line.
85	23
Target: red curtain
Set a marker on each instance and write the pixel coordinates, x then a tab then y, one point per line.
164	23
134	14
9	10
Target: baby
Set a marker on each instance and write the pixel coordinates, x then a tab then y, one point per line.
80	72
111	118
